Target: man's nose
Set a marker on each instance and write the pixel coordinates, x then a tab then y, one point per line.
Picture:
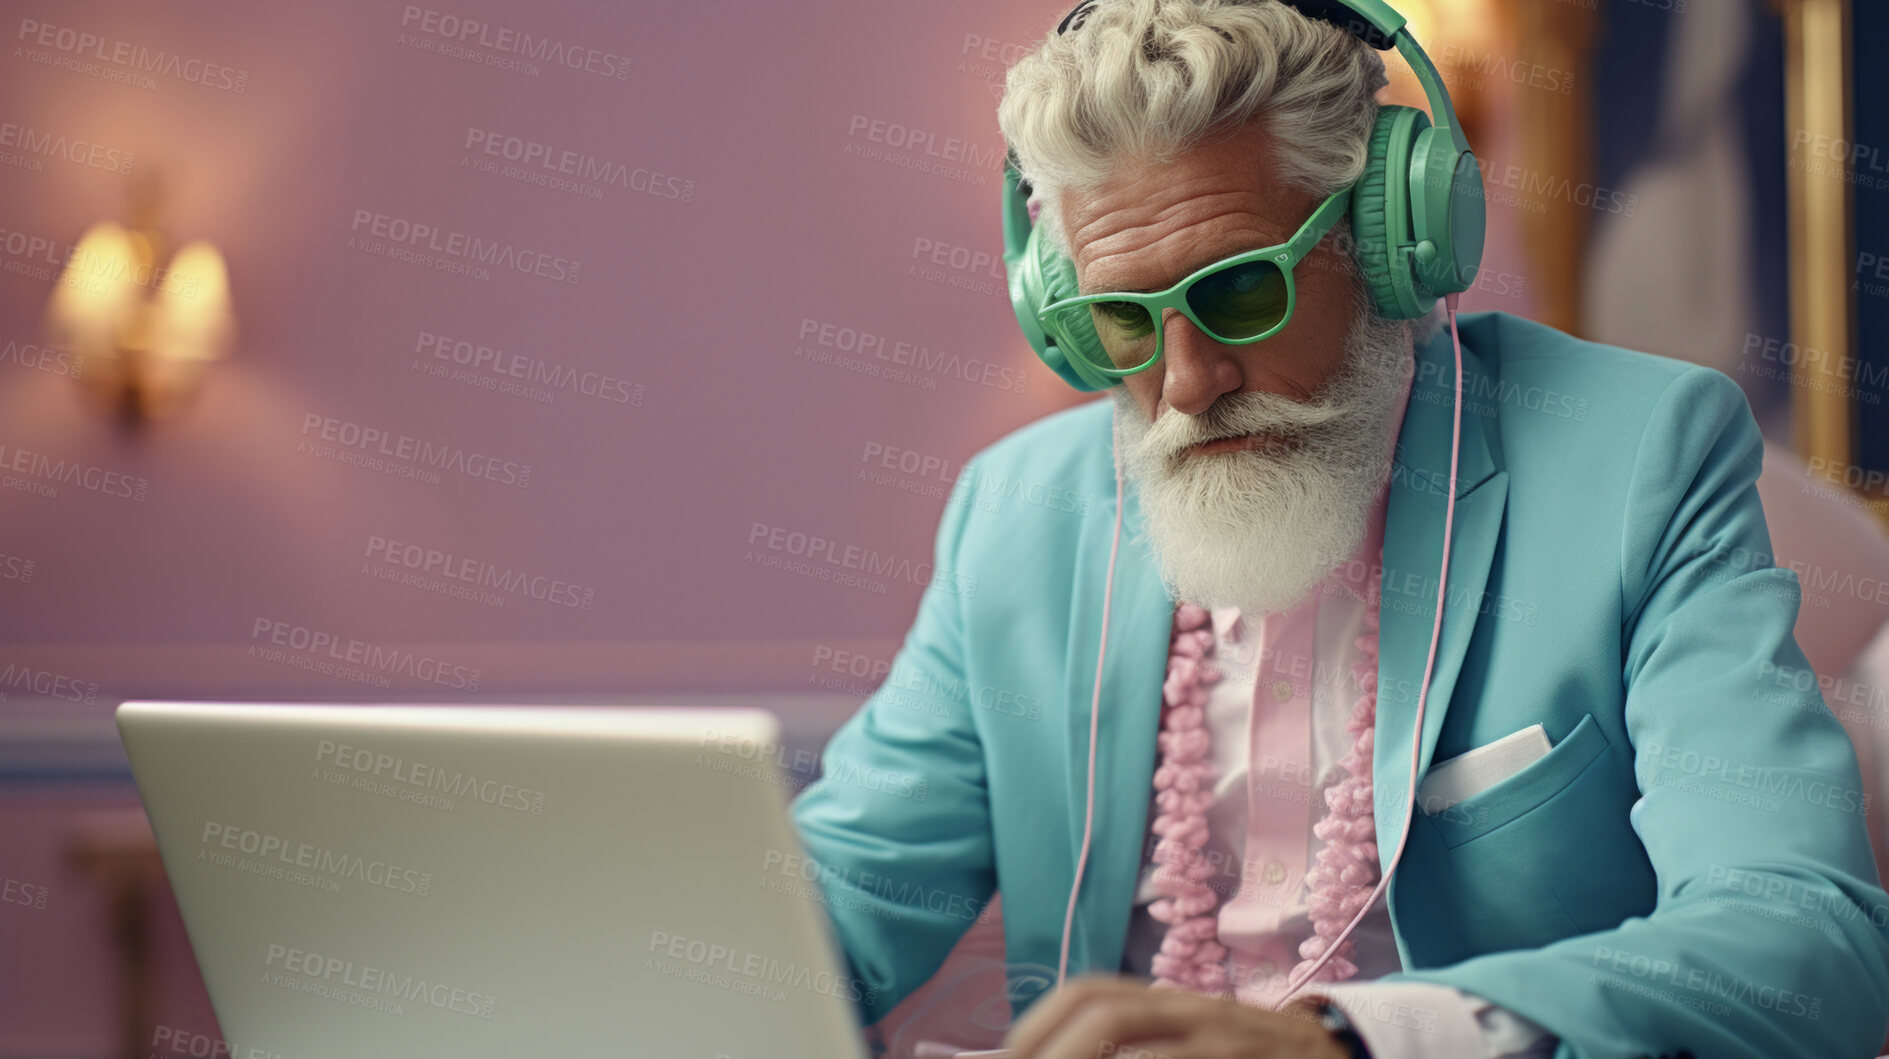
1197	368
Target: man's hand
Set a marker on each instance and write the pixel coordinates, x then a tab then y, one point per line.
1110	1017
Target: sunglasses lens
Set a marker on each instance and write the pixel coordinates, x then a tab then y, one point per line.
1126	331
1125	328
1240	302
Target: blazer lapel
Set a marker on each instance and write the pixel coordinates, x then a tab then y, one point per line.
1413	541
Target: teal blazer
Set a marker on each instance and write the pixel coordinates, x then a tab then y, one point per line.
1686	871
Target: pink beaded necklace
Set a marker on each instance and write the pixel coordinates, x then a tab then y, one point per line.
1346	871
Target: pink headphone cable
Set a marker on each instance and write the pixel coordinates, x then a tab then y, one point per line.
1423	691
1095	712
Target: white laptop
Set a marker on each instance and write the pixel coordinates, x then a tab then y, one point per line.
421	881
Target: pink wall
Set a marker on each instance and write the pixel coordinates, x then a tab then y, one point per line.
769	122
695	307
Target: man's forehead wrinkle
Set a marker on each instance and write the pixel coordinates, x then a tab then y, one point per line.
1123	259
1123	213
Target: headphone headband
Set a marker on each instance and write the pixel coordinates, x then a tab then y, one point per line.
1073	19
1371	20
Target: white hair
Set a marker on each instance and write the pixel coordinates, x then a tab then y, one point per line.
1145	80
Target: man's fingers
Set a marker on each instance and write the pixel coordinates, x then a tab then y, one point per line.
1096	1015
1110	1026
1049	1013
1155	1048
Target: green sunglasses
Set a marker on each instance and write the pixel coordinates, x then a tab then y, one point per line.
1242	299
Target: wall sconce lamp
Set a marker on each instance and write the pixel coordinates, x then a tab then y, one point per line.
144	323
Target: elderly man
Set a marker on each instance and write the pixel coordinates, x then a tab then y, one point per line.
1186	753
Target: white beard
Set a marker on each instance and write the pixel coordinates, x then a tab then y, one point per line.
1255	528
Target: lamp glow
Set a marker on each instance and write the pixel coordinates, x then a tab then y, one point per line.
144	328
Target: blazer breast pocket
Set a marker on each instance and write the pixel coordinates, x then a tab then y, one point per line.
1514	796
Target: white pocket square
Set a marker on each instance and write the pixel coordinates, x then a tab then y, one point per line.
1475	771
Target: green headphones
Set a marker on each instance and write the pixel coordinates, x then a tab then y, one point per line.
1417	212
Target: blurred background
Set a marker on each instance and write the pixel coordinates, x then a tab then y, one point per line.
510	353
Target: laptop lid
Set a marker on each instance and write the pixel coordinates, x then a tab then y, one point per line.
411	881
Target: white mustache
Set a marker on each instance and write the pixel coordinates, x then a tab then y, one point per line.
1236	415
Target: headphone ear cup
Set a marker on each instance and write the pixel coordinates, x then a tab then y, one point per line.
1380	215
1047	275
1036	276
